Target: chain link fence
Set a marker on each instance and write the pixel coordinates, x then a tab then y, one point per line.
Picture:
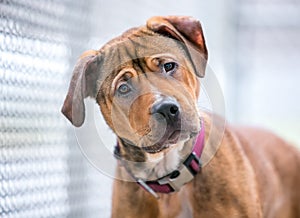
42	172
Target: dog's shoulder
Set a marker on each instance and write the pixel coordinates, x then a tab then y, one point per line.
273	159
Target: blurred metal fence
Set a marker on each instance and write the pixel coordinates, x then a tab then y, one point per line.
42	172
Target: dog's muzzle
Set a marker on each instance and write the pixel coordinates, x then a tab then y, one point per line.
166	115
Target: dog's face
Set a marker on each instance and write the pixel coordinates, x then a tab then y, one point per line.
146	83
151	102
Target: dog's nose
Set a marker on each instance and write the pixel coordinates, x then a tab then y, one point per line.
168	109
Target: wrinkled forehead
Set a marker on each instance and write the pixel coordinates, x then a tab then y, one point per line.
124	52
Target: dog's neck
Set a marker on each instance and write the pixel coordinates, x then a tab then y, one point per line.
135	161
181	172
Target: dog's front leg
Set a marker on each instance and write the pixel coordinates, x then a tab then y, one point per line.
129	201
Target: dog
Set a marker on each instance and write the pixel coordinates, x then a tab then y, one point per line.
170	162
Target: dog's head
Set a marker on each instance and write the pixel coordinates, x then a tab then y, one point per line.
146	83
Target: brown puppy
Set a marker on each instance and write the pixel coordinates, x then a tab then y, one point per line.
146	83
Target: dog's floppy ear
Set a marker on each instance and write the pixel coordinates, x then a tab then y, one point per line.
187	30
82	85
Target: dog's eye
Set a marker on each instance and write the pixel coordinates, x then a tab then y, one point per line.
169	66
124	89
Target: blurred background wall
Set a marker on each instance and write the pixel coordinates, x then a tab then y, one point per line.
253	50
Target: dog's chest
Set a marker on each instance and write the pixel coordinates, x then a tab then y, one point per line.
168	161
176	205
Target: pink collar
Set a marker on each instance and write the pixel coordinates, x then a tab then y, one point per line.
184	174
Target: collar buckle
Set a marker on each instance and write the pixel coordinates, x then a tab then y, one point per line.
184	174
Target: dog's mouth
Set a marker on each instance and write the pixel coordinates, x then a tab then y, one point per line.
165	142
